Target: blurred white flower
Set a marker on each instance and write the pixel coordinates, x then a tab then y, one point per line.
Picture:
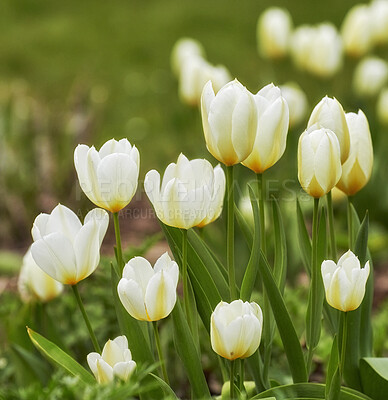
297	102
183	49
379	16
382	106
370	76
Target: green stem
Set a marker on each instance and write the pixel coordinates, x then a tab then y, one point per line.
333	244
343	344
314	287
350	224
242	375
86	319
231	382
160	353
184	274
230	232
261	192
120	261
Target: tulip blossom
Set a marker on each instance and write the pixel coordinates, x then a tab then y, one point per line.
235	329
191	193
183	50
64	248
195	73
329	114
229	120
357	30
379	16
273	32
345	282
370	76
114	362
319	165
109	176
272	128
35	284
357	169
382	107
297	102
149	294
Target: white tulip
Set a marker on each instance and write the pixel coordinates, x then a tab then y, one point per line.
379	16
356	30
229	120
191	193
370	76
319	165
184	49
114	362
357	169
108	177
272	128
297	102
149	294
345	282
35	284
193	76
382	107
64	248
328	113
300	46
235	329
273	32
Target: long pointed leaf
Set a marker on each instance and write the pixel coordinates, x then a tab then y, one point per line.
280	261
304	238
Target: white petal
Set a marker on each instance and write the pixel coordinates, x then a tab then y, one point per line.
122	342
39	226
112	353
132	299
124	370
140	270
102	219
92	362
62	219
105	371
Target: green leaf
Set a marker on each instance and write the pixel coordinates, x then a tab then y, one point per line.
280	261
54	353
166	388
334	391
332	367
304	238
374	377
249	278
246	229
284	323
186	349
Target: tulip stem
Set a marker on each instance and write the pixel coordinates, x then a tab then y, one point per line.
343	344
261	192
86	319
160	353
120	261
231	382
333	244
230	232
184	276
350	224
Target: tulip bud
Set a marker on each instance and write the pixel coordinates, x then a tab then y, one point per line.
345	282
357	31
300	46
149	294
328	113
297	103
229	122
370	76
272	128
235	329
191	193
194	75
108	177
64	248
184	49
273	31
357	169
379	16
114	362
35	284
382	107
319	165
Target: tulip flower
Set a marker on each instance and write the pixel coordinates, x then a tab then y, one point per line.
273	32
382	107
329	114
345	282
357	30
370	76
319	165
272	128
229	120
115	361
379	16
193	76
191	193
35	284
64	248
357	169
149	294
184	49
235	329
297	102
300	45
109	176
